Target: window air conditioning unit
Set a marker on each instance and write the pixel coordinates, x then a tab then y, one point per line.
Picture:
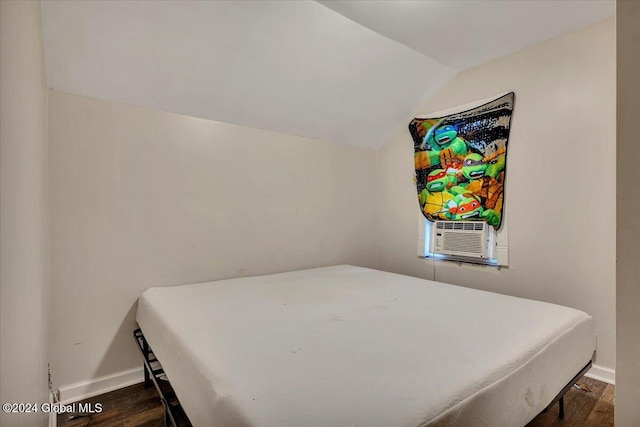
473	239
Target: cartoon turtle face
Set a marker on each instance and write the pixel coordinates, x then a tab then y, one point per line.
444	135
464	207
473	167
438	180
495	166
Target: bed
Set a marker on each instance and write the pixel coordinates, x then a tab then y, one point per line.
351	346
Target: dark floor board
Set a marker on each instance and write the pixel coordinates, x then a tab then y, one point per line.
130	406
602	414
578	407
136	406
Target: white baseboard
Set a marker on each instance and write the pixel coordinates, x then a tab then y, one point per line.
86	389
96	386
601	373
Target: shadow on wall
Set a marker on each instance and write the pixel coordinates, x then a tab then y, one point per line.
122	348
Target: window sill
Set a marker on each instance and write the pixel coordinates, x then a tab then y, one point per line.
461	261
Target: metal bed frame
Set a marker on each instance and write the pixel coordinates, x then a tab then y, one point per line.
174	414
560	397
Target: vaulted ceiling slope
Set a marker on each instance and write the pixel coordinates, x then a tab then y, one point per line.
462	34
349	73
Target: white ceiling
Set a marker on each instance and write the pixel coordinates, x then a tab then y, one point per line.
461	34
295	67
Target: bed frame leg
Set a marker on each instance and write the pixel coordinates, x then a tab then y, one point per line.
147	378
152	375
560	397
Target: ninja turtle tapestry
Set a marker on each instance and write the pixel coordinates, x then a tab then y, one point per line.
460	162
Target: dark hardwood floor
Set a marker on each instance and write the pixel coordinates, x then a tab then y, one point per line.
581	408
137	406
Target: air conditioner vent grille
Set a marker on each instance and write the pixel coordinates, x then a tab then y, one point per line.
467	225
463	242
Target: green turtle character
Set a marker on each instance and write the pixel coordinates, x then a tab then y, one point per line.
484	183
439	180
467	207
447	148
435	196
473	168
495	166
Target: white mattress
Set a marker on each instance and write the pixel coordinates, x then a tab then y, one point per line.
348	346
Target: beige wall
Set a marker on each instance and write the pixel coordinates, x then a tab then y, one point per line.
142	198
561	150
628	234
24	256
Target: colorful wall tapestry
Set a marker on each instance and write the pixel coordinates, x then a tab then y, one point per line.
460	162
